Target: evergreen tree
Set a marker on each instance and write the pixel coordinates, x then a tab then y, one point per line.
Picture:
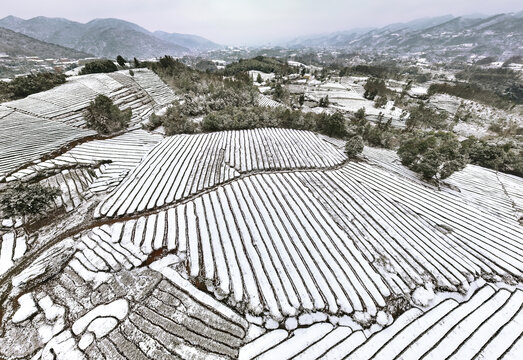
120	60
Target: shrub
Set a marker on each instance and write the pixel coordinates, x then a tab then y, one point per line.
23	200
99	66
175	122
497	157
374	87
434	155
324	102
121	61
251	117
332	125
354	146
31	84
421	115
105	117
380	101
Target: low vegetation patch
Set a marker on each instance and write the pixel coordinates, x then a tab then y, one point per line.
500	157
473	92
105	117
99	66
23	200
23	86
434	155
259	63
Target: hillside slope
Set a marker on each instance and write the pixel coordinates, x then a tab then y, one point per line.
16	44
107	37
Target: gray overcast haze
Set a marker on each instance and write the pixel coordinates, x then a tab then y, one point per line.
254	22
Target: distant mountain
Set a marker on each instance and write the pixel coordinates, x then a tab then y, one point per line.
16	44
106	37
498	35
193	42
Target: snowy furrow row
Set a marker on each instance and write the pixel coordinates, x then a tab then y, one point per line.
273	250
408	249
26	139
264	100
123	153
158	90
494	244
325	241
484	187
67	102
487	326
184	165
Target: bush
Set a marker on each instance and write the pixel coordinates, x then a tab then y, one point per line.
23	200
236	118
473	92
121	61
354	146
421	115
434	155
333	125
374	87
324	102
24	86
380	101
99	66
175	122
493	156
105	117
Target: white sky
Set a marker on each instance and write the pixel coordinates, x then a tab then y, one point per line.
254	21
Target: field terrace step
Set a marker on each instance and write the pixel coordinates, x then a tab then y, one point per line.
158	90
499	193
146	313
66	103
266	101
124	153
334	242
184	165
493	243
26	139
488	325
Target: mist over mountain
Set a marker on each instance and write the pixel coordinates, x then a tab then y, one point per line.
107	37
500	34
15	44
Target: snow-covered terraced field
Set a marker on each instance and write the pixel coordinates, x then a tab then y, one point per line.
147	313
334	241
110	159
26	139
494	242
50	120
66	103
184	165
264	100
494	191
487	326
498	192
262	244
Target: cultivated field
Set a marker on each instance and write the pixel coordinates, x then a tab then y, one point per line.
265	243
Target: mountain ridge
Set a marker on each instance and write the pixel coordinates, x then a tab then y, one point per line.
16	44
482	35
107	37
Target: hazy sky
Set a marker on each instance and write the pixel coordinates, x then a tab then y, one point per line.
254	21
